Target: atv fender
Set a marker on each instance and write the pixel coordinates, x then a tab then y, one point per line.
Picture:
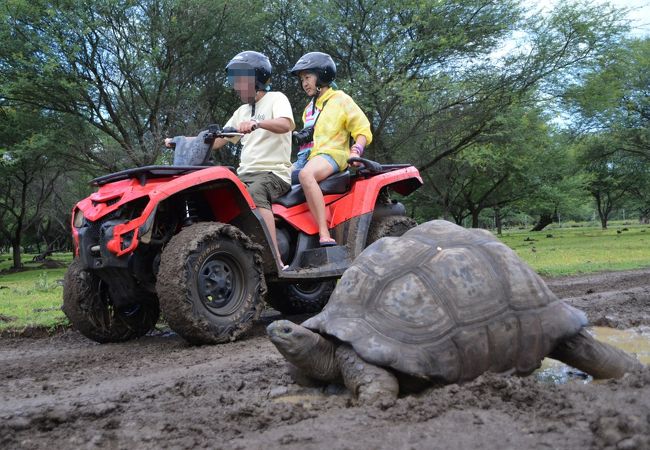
114	196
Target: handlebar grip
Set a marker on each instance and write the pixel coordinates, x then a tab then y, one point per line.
368	164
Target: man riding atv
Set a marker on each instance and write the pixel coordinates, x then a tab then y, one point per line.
266	120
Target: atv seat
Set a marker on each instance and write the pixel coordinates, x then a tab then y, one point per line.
335	184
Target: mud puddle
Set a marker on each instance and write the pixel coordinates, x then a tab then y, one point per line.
633	340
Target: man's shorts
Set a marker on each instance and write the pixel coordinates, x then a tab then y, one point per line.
264	187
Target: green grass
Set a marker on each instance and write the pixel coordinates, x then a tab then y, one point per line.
31	298
582	250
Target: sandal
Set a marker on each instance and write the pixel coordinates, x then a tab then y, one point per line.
325	242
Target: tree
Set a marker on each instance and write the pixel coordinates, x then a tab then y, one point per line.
614	98
610	108
134	70
29	169
558	183
508	166
612	176
425	74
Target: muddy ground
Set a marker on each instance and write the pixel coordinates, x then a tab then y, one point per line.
157	392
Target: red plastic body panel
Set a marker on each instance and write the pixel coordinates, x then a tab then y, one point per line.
157	189
341	207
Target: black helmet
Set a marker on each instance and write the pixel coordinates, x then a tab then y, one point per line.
321	64
251	63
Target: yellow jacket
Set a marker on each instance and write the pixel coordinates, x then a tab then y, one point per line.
340	119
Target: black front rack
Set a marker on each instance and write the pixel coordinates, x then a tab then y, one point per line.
142	174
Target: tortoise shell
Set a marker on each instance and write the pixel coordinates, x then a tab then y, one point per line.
446	304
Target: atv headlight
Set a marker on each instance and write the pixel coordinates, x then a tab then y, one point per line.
78	219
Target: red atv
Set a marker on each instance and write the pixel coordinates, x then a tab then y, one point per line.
187	239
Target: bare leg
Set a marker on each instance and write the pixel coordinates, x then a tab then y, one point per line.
366	381
269	221
317	169
598	359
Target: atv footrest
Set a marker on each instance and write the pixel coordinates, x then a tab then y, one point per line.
318	263
319	257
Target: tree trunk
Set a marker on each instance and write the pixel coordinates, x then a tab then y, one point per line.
543	222
475	214
15	246
604	207
497	220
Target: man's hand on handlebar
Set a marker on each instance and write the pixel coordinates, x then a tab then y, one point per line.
248	126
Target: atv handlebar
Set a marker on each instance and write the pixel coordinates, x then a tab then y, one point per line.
369	165
215	131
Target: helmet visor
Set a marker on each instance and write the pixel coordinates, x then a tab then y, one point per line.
237	72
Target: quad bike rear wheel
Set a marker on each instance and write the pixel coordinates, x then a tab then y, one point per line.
300	298
389	226
87	304
211	283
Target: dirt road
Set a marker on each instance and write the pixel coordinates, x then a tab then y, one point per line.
158	392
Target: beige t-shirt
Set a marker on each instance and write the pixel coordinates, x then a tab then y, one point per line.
262	150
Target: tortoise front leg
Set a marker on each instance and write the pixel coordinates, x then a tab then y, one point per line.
366	381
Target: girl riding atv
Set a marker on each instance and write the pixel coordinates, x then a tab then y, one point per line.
337	117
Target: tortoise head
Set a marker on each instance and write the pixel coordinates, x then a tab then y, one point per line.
306	350
292	340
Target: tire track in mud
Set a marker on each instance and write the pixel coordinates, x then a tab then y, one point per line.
613	299
99	389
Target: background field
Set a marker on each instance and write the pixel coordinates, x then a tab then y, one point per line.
568	251
32	298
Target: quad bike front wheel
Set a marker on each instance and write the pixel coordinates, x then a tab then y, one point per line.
87	304
304	297
211	283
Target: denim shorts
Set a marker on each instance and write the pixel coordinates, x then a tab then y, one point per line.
333	163
302	162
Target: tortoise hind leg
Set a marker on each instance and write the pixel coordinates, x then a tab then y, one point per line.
596	358
366	381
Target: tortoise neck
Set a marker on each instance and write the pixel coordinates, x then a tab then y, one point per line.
317	360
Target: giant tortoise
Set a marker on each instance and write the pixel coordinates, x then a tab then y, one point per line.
441	304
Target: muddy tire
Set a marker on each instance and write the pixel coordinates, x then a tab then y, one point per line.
389	226
88	306
300	298
211	283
